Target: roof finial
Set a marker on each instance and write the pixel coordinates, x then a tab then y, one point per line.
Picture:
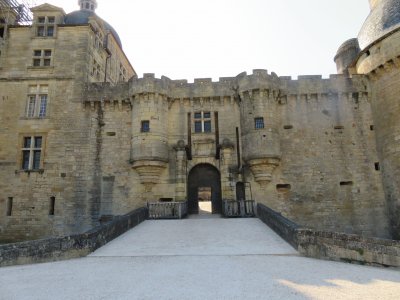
90	5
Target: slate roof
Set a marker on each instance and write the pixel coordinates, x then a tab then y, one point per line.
383	19
82	17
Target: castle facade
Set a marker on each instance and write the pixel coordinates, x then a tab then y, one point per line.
82	137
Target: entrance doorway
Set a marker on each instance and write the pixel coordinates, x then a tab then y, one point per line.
240	191
204	184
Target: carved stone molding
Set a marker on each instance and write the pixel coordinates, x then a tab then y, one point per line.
149	172
262	169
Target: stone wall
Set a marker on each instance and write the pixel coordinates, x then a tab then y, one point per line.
321	168
329	158
72	246
381	62
332	245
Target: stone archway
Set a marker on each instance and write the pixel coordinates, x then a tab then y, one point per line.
204	177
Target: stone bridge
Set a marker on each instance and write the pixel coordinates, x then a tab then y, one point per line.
198	258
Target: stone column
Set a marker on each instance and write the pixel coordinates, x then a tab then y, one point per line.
227	183
180	185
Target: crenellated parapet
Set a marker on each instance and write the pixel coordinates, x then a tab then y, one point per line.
243	85
259	80
314	88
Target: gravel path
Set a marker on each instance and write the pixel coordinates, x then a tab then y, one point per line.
210	258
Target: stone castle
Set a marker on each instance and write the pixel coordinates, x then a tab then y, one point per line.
83	138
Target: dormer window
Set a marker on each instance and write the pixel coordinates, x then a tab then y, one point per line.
45	26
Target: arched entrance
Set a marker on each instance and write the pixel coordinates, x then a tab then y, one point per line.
204	181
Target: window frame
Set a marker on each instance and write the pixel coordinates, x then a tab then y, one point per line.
30	163
41	58
202	122
37	103
96	71
145	126
45	25
259	123
122	73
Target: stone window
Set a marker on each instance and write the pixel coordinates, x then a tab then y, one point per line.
2	27
259	123
96	70
145	126
45	26
36	106
42	58
122	73
32	152
202	122
98	40
9	206
283	188
52	205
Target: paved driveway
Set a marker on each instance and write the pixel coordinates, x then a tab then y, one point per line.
210	258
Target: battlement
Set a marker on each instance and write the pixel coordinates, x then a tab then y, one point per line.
206	88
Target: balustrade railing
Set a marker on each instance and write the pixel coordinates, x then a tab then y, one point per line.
242	208
167	210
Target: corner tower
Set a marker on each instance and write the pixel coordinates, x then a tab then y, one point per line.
379	59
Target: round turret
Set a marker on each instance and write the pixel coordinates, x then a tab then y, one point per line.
383	19
346	55
260	124
379	40
150	154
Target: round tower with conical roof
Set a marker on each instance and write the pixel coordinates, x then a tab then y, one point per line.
379	59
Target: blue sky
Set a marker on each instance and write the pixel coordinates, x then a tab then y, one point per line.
186	39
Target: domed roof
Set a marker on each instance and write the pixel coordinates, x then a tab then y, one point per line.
384	18
82	17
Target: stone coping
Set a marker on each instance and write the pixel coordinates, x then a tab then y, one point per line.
72	246
333	245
